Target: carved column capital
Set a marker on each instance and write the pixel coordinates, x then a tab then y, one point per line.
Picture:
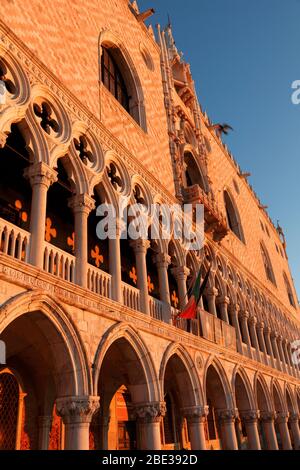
195	414
250	416
77	409
267	330
180	272
260	325
81	203
227	415
211	292
40	173
268	416
162	260
253	320
245	315
282	417
140	246
150	412
223	299
294	417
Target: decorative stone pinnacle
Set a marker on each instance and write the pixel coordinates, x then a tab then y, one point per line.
77	409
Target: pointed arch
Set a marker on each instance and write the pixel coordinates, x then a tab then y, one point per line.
123	331
122	58
233	216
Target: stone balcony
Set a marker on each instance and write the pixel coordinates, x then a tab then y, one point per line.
215	221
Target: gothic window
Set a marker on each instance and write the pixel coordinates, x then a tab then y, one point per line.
289	290
9	411
267	264
233	217
113	79
192	173
15	190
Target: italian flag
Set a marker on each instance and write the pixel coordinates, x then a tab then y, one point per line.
190	310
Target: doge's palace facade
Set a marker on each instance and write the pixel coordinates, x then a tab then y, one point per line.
97	107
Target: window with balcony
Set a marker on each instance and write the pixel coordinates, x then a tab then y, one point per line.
193	173
233	216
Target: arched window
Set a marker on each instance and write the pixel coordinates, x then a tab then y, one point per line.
289	290
267	264
9	411
192	171
233	217
113	79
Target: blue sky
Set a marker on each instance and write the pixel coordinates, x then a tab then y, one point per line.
244	56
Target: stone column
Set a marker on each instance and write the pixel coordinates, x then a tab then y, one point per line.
275	349
260	333
227	422
196	418
115	263
287	357
294	423
140	248
104	427
77	413
211	294
162	261
281	353
223	303
82	205
252	326
250	418
181	273
267	332
41	176
44	426
149	416
267	418
282	420
234	312
244	321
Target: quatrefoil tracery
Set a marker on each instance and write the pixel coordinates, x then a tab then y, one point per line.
81	146
114	177
47	122
9	85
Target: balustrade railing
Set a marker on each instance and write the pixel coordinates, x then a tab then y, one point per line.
99	281
131	296
59	262
156	308
14	241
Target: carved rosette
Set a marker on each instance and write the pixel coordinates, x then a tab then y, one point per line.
77	409
195	414
228	415
250	416
150	412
